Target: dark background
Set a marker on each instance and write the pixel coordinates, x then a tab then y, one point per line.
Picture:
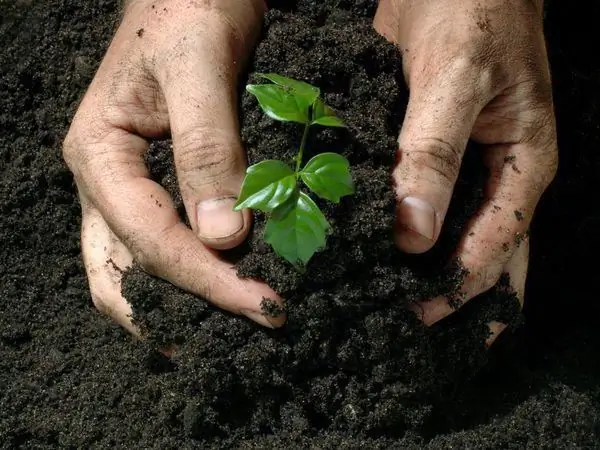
69	377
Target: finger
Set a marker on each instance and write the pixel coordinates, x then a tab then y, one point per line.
142	215
105	258
440	116
516	269
496	328
201	96
519	174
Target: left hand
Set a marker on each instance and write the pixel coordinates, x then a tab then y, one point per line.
475	70
172	69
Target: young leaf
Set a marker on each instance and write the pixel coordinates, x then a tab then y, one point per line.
300	233
305	93
324	115
266	186
328	176
279	104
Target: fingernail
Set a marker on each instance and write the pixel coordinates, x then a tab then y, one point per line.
257	317
217	219
418	216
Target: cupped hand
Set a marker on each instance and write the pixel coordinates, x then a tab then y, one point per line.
475	70
171	68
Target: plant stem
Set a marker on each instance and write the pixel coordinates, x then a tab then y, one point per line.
301	149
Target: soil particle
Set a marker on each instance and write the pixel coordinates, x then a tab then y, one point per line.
352	368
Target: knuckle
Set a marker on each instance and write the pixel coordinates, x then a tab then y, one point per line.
70	149
492	77
439	156
550	164
76	152
480	275
481	280
476	68
549	168
545	140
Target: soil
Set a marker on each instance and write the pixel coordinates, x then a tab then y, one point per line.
352	367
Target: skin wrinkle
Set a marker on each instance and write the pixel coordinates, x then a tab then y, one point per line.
180	250
543	144
140	231
446	159
197	152
521	123
153	115
108	159
136	114
149	96
131	79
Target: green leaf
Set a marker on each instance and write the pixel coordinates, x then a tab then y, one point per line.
299	233
324	115
278	103
266	186
328	176
305	93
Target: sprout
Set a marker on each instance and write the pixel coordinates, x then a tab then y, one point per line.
296	228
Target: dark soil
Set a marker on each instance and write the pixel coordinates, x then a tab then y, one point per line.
352	367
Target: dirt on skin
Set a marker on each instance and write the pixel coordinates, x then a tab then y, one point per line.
352	367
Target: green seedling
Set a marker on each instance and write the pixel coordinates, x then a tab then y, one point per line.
296	228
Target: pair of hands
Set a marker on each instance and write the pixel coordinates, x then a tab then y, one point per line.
475	70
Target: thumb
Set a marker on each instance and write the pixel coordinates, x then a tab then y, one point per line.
436	128
208	153
210	168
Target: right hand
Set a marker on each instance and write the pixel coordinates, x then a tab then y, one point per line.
173	66
479	71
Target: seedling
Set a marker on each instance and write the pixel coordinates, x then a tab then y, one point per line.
296	228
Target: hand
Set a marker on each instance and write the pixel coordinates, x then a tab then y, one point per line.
475	70
172	66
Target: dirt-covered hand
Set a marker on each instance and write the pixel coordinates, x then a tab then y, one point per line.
171	68
476	70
